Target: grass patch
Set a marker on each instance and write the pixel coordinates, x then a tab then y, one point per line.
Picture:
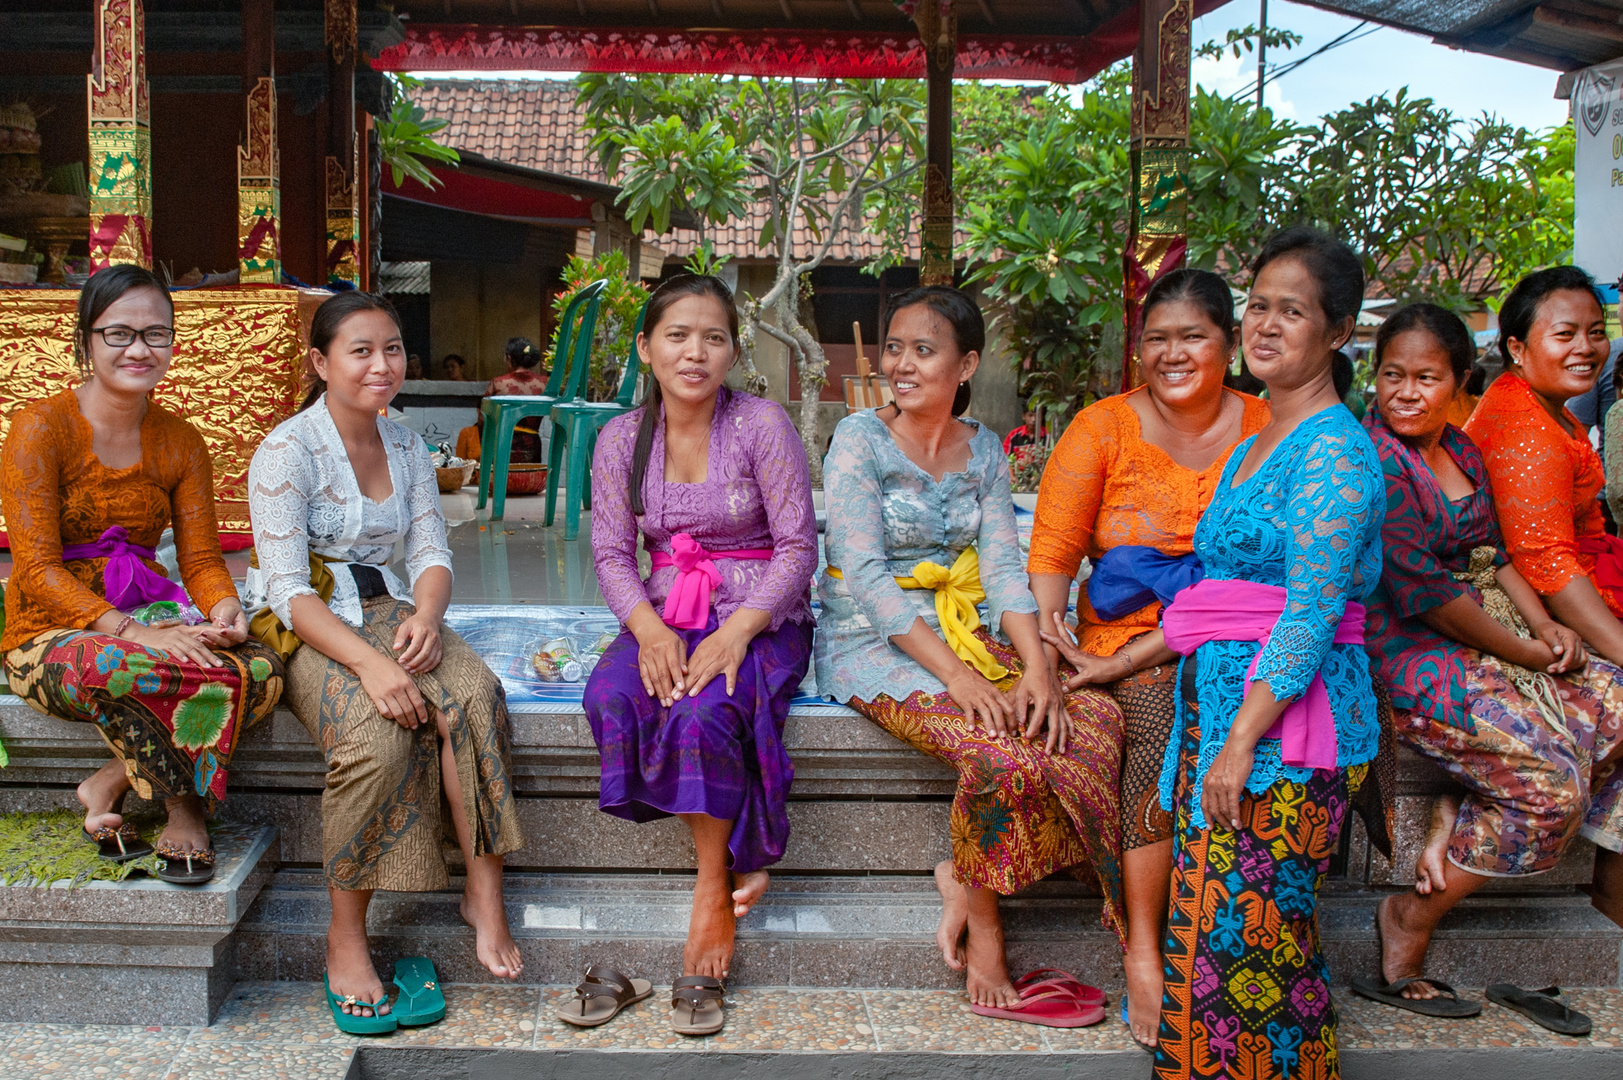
48	847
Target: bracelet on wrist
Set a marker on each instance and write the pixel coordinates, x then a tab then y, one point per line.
123	624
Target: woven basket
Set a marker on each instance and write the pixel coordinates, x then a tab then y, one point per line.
526	478
456	477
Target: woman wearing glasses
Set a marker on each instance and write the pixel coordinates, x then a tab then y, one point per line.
95	630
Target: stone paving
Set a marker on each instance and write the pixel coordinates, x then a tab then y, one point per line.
283	1030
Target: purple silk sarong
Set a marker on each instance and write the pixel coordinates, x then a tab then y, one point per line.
710	754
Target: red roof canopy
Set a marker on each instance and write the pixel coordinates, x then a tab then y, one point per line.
493	196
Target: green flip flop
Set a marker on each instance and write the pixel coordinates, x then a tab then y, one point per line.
421	1001
349	1023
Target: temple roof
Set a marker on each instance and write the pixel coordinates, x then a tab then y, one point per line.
1560	34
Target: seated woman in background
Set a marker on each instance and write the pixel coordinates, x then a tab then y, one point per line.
89	480
1125	487
1467	650
688	705
520	378
920	528
402	708
1545	477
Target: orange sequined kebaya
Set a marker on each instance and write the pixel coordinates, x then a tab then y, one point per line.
55	491
1544	482
1105	486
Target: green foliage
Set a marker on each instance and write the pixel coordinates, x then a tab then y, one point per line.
47	847
407	137
1246	39
617	315
703	260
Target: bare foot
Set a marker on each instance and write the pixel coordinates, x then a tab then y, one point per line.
187	829
988	981
954	928
1144	986
484	909
102	793
747	889
350	973
1403	951
1429	866
711	929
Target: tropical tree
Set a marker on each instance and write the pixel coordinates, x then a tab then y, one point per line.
817	156
406	136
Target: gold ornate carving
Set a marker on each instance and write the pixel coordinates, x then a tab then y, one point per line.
259	191
935	239
342	29
238	357
343	224
1161	72
120	138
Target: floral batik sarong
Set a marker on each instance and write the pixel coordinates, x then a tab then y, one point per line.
1532	784
380	812
173	724
1020	813
1247	990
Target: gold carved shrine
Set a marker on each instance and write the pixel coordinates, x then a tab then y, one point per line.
120	138
239	359
259	191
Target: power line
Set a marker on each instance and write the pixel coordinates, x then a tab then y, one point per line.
1344	39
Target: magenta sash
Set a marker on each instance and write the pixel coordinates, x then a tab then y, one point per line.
126	581
1248	611
688	605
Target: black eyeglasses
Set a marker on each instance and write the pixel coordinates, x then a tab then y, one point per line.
122	337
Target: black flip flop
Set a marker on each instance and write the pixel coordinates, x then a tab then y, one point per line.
184	867
119	845
1541	1007
1452	1007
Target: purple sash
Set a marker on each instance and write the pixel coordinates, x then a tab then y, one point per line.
126	580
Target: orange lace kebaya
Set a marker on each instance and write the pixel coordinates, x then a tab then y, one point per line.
1105	487
1544	481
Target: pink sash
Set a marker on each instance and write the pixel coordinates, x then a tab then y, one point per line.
1248	611
688	605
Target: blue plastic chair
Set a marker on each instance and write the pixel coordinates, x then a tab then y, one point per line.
575	426
504	412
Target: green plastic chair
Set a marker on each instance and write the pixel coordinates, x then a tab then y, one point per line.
575	426
504	412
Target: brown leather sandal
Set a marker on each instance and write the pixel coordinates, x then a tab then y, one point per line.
602	993
122	844
696	1005
199	865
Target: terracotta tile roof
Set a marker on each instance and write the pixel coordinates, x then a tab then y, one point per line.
534	122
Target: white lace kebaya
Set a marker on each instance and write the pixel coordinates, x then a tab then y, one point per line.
303	498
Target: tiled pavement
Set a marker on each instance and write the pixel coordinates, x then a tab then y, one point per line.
282	1031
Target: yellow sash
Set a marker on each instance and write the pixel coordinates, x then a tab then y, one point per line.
957	591
268	628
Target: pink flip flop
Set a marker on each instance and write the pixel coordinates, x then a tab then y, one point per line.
1087	995
1050	1004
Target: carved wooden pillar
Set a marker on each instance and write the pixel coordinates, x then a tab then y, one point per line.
259	159
120	138
938	30
1158	215
343	161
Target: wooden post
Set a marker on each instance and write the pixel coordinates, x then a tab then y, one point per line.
1158	212
120	136
259	159
938	30
343	161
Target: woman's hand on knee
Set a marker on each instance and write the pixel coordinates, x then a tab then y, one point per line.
1039	702
1224	786
394	693
662	662
181	642
1090	670
418	643
228	626
722	653
982	702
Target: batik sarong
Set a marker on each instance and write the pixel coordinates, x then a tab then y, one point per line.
1149	706
708	753
381	826
1532	784
1247	990
173	724
1020	813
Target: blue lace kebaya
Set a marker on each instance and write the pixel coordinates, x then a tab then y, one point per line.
1308	520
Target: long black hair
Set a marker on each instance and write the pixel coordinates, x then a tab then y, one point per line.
1204	289
962	314
324	327
105	288
669	292
1520	309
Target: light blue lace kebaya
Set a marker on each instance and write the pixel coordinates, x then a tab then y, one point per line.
1310	521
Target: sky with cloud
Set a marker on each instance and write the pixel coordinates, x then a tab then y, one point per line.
1466	83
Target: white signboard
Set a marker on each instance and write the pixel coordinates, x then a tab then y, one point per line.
1597	109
